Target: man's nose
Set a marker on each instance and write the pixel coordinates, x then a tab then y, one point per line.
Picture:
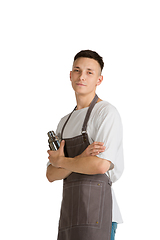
82	76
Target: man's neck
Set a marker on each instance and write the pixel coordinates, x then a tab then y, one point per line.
84	101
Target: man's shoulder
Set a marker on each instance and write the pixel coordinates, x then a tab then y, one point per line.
63	119
105	108
61	123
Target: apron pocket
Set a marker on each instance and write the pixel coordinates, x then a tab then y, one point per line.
82	204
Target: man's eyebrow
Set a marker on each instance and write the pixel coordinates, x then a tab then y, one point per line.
90	69
76	67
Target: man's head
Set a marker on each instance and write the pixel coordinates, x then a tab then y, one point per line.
92	55
86	72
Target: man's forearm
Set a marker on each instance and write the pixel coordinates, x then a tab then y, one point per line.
54	173
86	165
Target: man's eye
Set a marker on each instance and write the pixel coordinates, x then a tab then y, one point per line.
76	70
90	72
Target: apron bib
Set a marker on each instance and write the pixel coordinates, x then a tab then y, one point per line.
86	210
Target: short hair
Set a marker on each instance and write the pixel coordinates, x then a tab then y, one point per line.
90	54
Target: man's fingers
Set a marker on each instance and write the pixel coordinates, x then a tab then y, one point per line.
97	147
97	143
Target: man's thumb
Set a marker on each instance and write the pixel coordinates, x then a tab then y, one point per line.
62	144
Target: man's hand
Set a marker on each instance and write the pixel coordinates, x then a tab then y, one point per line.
55	156
93	149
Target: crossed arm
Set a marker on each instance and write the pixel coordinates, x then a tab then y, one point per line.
86	163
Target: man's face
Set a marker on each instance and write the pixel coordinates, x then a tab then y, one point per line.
85	75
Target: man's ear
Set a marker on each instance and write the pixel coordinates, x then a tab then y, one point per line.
99	81
70	75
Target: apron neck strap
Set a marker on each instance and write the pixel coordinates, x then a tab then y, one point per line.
88	113
67	121
86	118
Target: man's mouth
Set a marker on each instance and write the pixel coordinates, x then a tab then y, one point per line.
80	84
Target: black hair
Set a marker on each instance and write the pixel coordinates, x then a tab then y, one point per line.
90	54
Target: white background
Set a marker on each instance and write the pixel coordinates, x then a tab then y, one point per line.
37	44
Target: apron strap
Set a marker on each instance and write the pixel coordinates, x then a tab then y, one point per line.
86	118
67	121
88	113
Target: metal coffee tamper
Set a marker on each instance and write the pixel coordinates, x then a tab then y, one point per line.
54	141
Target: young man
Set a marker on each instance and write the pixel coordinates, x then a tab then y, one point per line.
90	157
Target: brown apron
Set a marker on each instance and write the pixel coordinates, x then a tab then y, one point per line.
86	211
